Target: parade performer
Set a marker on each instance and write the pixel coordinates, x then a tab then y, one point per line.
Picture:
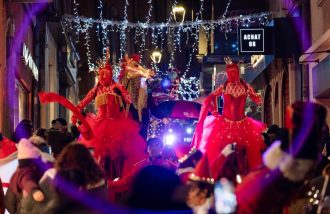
116	136
216	131
134	77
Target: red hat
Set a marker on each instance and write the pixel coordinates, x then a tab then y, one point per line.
7	147
202	172
136	58
183	151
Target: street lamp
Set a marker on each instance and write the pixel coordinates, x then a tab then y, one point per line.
156	56
179	12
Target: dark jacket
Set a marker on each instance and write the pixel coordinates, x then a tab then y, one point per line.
58	140
25	179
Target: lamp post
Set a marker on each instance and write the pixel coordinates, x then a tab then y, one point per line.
156	56
179	12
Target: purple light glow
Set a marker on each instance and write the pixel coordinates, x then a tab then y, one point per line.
15	49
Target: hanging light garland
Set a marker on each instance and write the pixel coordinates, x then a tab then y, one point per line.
188	87
122	28
257	19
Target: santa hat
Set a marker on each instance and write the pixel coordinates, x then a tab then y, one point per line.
26	150
136	58
202	172
7	147
304	121
183	151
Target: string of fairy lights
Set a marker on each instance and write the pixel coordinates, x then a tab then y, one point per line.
171	31
189	87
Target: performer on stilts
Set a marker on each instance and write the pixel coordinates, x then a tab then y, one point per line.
214	132
116	137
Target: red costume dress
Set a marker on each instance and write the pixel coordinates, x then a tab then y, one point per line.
115	135
214	132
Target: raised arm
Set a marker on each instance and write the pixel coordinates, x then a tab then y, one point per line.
88	98
255	97
208	105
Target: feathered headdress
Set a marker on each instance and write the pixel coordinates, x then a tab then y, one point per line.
103	64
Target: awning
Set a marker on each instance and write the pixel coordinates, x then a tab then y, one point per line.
322	44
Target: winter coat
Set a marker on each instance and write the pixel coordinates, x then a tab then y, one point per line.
22	184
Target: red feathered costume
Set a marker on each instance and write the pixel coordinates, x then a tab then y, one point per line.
214	132
115	135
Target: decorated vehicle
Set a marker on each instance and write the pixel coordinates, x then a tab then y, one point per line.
183	117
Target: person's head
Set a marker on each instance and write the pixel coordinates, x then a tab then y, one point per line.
40	143
232	72
40	132
77	156
24	129
304	121
55	124
105	76
154	147
63	125
253	108
273	132
199	192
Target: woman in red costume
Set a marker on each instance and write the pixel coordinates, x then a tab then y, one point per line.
214	132
116	137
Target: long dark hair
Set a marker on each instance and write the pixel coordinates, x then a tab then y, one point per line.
76	156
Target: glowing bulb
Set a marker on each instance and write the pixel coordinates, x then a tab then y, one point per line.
189	130
169	139
179	11
156	56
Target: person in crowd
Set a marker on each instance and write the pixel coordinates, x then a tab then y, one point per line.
154	149
254	113
41	134
63	125
58	136
74	160
215	131
226	165
138	86
24	182
201	184
188	157
24	129
74	132
42	145
55	125
156	188
286	165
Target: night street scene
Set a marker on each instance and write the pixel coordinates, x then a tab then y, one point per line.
164	106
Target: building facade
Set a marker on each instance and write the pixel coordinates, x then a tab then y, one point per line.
317	57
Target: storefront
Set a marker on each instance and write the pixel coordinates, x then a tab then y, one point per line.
22	73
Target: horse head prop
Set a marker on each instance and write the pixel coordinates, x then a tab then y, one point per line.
131	68
133	77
